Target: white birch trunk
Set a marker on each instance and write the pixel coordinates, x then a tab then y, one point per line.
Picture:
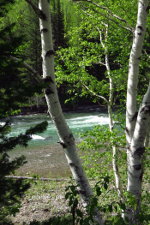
110	103
55	111
131	106
136	125
135	154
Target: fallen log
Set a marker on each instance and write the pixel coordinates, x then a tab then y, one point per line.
38	178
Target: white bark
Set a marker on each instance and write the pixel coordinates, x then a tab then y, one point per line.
136	151
136	125
110	103
131	107
54	108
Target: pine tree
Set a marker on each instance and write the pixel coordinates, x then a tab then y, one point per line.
14	87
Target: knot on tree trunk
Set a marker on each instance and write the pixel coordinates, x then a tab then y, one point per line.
139	151
49	53
137	167
145	109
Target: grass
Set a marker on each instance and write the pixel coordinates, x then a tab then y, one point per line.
45	204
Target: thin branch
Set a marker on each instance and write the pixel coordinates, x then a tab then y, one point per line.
109	11
93	93
107	17
145	52
101	63
39	12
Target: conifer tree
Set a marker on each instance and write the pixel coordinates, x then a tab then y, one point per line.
13	91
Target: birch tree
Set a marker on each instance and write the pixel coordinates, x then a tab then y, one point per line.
109	106
136	128
65	135
136	125
88	54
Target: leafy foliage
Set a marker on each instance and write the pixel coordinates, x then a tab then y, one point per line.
97	150
81	65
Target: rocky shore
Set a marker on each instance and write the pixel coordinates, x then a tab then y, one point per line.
78	109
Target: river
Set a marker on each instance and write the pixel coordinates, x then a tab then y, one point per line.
78	122
44	155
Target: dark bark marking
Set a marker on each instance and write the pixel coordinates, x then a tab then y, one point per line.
49	53
139	151
71	135
139	33
141	175
42	15
128	148
72	164
62	144
44	30
140	27
137	167
134	117
48	91
116	168
76	169
145	109
126	130
48	80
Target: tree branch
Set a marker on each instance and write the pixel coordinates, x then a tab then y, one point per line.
39	12
128	27
109	11
95	94
107	17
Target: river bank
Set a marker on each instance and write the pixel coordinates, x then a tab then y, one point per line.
45	157
66	109
45	161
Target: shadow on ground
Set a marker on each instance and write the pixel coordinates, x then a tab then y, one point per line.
54	221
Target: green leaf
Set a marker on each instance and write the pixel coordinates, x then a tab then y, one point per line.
67	195
98	191
79	213
105	186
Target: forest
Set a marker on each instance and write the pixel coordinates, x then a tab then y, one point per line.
92	56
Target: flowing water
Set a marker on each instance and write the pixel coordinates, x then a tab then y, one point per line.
78	122
45	157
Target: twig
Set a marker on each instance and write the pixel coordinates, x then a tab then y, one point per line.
39	12
111	19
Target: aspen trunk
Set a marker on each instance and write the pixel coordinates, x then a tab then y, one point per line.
133	74
65	135
135	155
136	123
